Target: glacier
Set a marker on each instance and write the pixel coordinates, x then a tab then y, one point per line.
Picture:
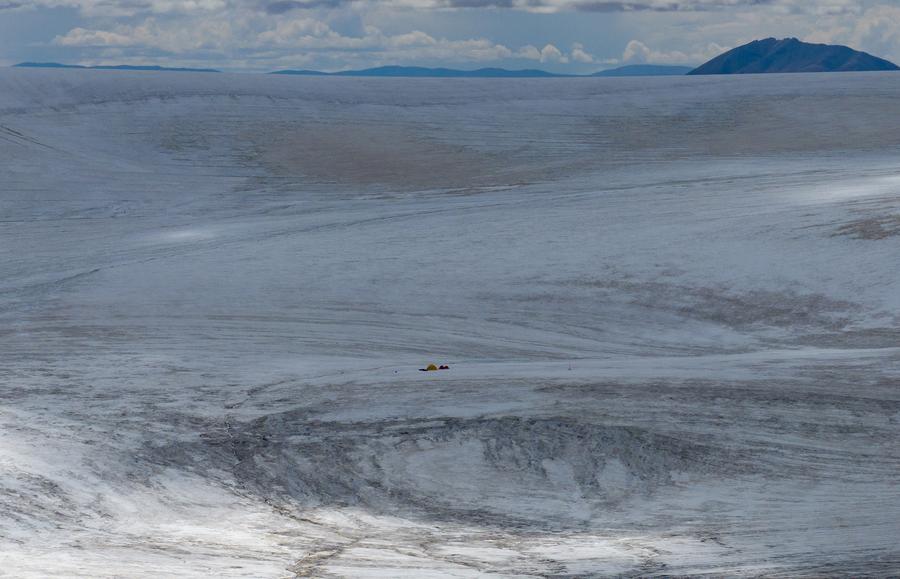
669	306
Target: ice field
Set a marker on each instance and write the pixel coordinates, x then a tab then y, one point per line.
670	308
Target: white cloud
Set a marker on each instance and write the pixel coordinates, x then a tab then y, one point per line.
115	8
579	54
286	32
213	34
83	37
876	30
552	54
263	33
300	37
636	52
530	52
130	8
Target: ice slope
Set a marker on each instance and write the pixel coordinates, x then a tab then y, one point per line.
669	306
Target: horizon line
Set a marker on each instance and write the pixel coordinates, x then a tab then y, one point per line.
443	71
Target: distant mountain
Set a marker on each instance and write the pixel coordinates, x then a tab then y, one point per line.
645	70
791	55
301	72
109	67
418	71
46	65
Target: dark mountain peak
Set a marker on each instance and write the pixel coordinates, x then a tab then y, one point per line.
791	55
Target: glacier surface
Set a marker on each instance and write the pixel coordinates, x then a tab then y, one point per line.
670	308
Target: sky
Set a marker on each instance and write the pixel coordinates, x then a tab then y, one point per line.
571	36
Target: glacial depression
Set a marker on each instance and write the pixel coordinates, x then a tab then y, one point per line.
670	309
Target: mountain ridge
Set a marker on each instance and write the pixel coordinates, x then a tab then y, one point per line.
404	71
791	55
426	72
111	67
645	70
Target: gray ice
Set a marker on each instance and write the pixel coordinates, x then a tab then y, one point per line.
669	306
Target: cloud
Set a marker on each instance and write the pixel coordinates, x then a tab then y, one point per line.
284	6
529	52
289	32
114	8
578	54
481	3
127	8
876	29
335	34
216	34
636	52
660	6
296	39
552	54
301	37
84	37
